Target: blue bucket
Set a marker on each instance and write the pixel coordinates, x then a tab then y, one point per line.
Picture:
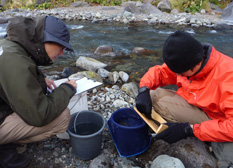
129	132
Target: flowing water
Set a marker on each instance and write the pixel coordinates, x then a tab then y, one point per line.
87	36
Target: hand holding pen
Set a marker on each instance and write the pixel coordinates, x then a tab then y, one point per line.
72	82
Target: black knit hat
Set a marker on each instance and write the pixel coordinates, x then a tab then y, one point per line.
181	52
56	31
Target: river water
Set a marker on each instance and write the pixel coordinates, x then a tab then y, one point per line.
87	36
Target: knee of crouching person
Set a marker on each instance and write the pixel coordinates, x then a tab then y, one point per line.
64	120
66	115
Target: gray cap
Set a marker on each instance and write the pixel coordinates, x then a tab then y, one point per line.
56	31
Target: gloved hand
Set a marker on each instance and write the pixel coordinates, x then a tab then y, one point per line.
143	103
175	132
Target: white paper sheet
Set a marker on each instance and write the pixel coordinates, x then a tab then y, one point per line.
83	84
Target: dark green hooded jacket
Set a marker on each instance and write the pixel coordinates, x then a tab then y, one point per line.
22	85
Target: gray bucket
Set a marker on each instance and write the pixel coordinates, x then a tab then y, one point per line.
85	130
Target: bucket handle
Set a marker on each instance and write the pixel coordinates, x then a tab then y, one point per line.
75	131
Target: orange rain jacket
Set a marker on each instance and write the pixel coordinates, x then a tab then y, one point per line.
211	90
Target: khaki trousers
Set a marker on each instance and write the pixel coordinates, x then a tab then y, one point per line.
15	130
173	108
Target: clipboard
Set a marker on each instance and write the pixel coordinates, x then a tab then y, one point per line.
83	84
155	116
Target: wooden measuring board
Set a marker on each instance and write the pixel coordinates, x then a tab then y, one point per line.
155	116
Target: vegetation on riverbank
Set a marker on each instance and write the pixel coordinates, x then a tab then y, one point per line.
182	5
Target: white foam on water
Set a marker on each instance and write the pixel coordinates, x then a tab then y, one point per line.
191	31
165	32
75	27
213	31
2	34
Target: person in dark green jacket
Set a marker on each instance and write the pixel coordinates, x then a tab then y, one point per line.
28	112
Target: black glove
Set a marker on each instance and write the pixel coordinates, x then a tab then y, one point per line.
175	132
143	102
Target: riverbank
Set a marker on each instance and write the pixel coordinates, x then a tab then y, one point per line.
55	152
123	14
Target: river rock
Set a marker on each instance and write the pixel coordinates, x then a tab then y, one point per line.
165	161
149	1
197	151
113	77
139	3
150	9
90	64
124	76
132	8
140	50
174	11
79	4
125	4
215	8
222	25
223	150
127	14
102	161
103	72
103	50
3	2
120	103
164	6
131	89
125	163
89	74
3	20
67	71
227	13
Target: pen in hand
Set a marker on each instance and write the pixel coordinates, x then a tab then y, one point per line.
72	82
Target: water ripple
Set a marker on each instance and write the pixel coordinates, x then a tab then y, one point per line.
75	27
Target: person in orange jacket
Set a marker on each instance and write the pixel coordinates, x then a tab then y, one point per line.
203	104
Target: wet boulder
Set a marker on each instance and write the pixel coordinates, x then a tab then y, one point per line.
140	50
104	50
90	64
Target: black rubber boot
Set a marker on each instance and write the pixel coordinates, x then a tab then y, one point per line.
9	158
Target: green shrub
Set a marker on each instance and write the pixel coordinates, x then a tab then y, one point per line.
190	6
106	2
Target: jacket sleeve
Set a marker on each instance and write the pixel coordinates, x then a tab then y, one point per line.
215	130
26	96
159	75
219	129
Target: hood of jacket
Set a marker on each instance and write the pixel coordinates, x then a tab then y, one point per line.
29	33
